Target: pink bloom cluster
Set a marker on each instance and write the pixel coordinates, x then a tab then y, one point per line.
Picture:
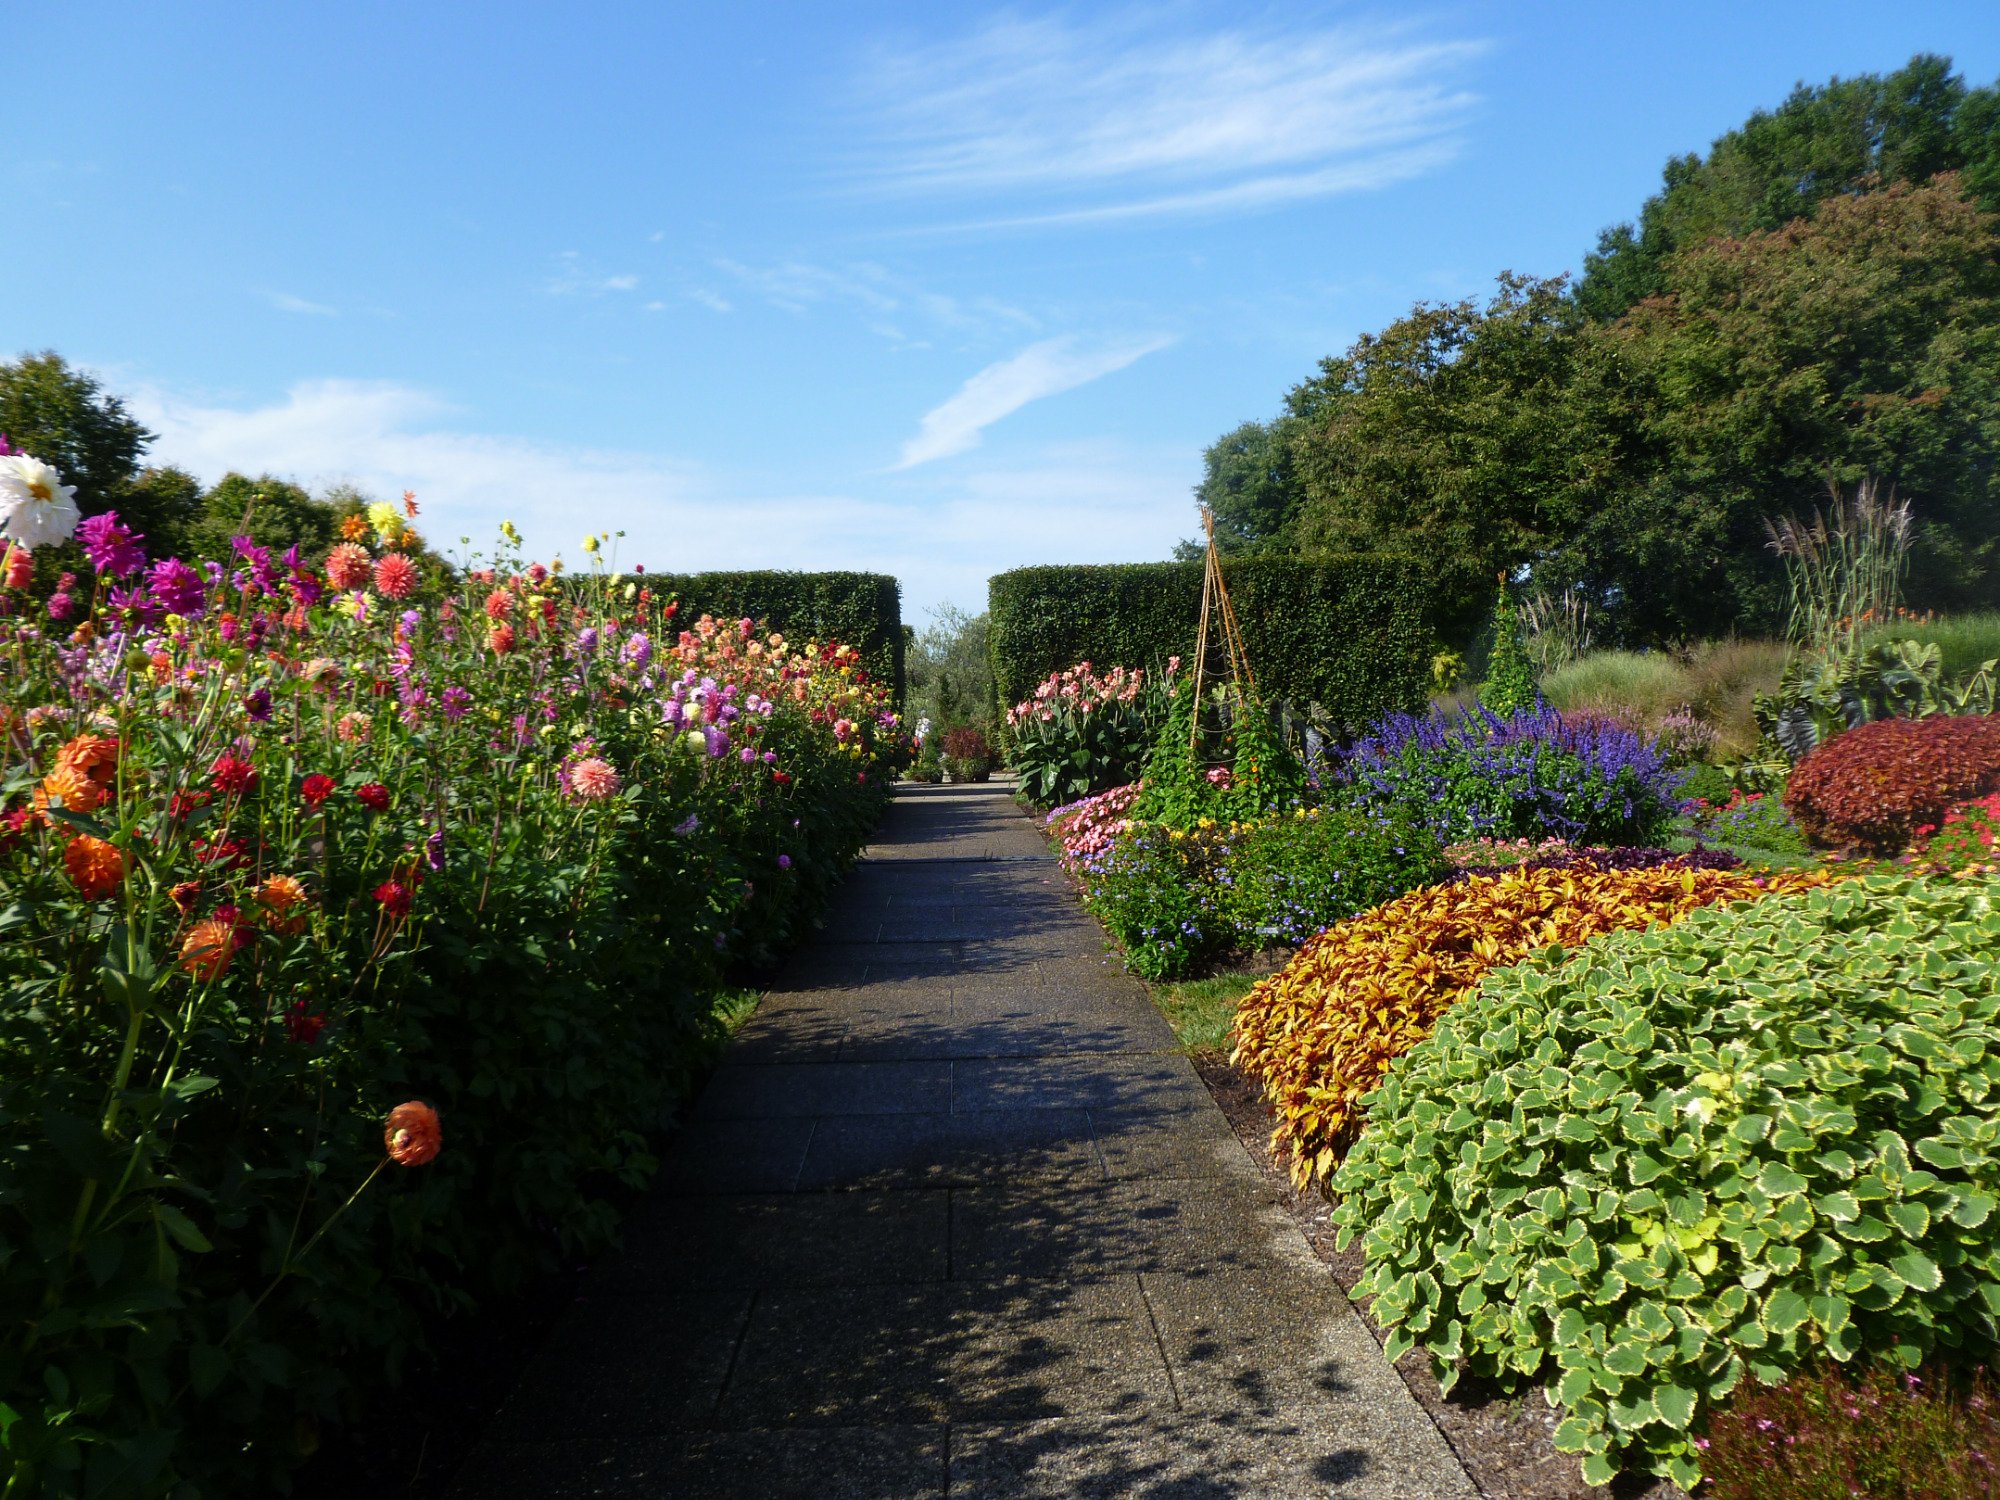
1087	829
1078	689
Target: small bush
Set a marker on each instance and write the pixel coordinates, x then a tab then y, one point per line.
1872	787
1510	676
1752	820
1321	1033
1965	642
1531	775
1643	686
1178	900
1570	857
1834	1434
1682	1157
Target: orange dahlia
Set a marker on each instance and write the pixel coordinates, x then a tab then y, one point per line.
96	868
77	791
92	755
412	1135
206	950
279	895
354	528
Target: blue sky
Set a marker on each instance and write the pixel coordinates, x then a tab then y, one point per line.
931	289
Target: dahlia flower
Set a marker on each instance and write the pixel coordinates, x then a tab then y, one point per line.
348	567
412	1134
20	568
179	589
96	868
594	779
36	507
396	576
207	949
112	547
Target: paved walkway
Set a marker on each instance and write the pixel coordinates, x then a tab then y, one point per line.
955	1218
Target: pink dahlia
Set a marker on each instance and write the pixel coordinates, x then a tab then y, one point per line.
594	779
396	576
347	567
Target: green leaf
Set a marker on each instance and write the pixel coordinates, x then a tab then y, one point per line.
1918	1270
1676	1404
1785	1310
182	1228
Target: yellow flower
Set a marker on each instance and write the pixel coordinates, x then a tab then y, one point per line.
383	517
507	530
590	545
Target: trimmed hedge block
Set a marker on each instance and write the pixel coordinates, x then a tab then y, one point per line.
864	610
1352	634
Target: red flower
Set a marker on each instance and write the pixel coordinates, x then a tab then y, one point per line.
184	895
782	778
233	774
182	803
316	789
395	898
501	639
302	1028
374	796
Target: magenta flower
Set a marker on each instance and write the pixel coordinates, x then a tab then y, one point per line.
112	547
178	587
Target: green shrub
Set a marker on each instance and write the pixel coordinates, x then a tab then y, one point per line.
1178	900
1510	676
865	610
1650	1167
1351	634
1081	733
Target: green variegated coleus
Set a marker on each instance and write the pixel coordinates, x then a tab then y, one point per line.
1639	1171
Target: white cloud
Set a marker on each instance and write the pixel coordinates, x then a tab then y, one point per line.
798	286
286	302
1042	369
1121	118
710	300
574	276
1097	502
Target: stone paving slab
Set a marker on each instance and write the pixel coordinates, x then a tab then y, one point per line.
956	1217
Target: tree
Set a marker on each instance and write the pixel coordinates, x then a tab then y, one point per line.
1248	481
272	512
949	673
1864	340
1823	143
1451	436
65	418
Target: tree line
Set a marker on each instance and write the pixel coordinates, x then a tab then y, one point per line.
1814	301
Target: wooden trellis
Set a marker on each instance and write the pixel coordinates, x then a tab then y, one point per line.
1217	611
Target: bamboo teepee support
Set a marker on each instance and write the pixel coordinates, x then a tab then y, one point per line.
1216	605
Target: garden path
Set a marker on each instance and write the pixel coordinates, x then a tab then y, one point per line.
954	1217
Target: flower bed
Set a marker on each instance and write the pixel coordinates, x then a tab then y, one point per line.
1676	1159
288	842
1321	1034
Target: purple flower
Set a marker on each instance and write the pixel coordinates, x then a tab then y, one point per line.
784	861
112	547
178	587
638	650
456	702
586	641
61	606
258	705
688	824
434	851
747	755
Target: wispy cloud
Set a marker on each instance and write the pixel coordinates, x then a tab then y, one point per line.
1043	369
713	301
574	276
1078	502
1124	118
799	286
286	302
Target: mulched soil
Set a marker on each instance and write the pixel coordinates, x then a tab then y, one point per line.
1507	1443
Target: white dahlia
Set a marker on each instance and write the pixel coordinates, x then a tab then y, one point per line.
36	507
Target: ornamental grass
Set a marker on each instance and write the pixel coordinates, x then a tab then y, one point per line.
1321	1033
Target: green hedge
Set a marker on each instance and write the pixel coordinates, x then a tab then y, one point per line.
864	610
1351	634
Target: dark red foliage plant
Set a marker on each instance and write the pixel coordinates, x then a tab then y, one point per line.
1834	1434
967	744
1872	787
